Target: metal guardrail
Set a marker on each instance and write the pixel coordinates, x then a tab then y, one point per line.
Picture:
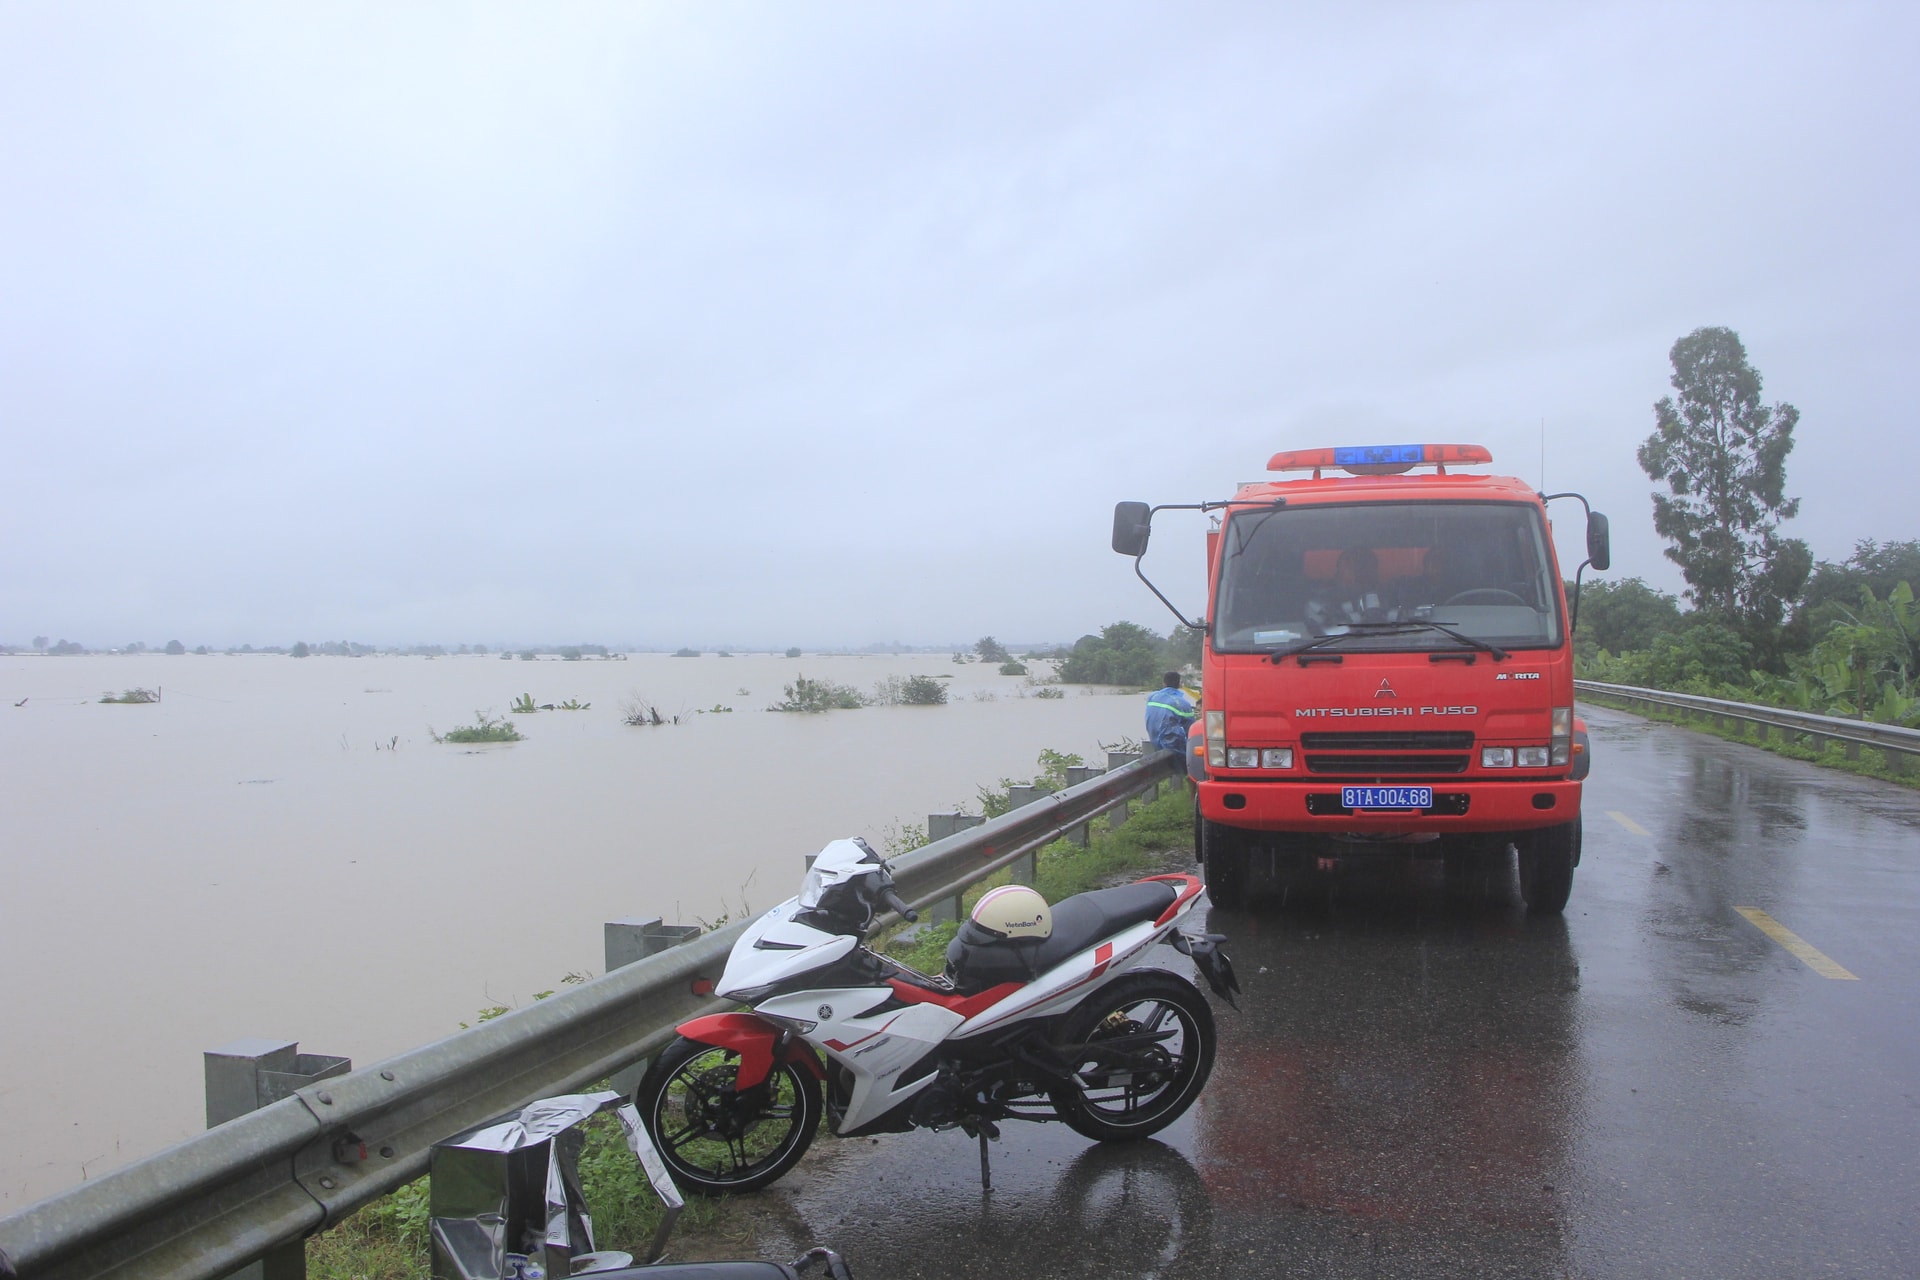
1896	741
213	1203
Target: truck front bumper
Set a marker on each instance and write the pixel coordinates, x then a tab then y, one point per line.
1459	805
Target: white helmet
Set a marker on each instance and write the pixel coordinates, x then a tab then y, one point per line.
1014	911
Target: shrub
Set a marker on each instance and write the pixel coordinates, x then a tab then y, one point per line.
484	728
819	695
1013	668
132	696
636	710
910	691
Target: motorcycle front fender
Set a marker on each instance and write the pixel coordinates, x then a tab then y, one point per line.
753	1038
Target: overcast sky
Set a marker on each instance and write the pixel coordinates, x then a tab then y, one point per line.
823	324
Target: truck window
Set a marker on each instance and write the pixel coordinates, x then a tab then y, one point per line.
1484	569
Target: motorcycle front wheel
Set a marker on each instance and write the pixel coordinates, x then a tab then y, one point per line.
1139	1051
718	1139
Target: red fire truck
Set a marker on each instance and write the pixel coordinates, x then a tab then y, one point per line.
1387	669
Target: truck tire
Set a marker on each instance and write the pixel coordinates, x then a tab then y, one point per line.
1547	857
1224	857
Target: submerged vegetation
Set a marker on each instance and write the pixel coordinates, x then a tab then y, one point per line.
485	728
132	696
819	695
910	691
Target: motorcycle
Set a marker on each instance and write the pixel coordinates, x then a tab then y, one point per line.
1043	1012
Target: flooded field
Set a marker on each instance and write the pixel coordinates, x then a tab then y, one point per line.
278	847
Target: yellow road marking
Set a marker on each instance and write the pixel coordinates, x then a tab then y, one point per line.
1802	950
1627	822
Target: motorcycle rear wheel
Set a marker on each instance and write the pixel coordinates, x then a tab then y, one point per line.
1128	1079
716	1139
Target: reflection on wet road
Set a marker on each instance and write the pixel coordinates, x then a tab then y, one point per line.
1423	1086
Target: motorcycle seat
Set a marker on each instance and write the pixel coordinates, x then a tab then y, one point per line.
977	960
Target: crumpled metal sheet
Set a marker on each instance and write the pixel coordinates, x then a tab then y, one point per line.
512	1191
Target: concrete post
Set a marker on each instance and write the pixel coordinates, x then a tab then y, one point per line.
245	1076
939	827
1853	750
1026	869
635	938
1077	774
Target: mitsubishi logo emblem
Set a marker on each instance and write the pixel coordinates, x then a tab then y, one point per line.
1385	691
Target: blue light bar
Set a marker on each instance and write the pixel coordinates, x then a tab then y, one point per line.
1376	455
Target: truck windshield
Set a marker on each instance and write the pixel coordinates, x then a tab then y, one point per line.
1295	574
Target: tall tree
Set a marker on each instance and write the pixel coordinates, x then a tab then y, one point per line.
1723	455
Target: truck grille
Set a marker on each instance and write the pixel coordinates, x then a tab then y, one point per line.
1356	765
1429	740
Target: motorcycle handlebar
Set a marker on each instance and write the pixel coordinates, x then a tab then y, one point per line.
891	900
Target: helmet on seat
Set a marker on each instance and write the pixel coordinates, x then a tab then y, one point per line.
1013	911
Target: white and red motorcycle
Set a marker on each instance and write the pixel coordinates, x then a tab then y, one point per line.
1043	1013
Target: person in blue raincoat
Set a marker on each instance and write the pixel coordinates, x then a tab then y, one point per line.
1169	714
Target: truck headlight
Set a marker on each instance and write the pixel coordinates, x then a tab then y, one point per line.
1216	739
1496	757
1534	757
1243	757
1277	758
1562	735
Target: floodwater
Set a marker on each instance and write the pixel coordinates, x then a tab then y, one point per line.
278	847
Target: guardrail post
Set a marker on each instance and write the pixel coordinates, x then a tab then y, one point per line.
1853	750
1119	760
635	938
1026	869
939	827
1077	774
245	1076
1899	763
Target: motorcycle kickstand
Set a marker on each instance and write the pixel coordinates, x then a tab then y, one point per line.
983	1129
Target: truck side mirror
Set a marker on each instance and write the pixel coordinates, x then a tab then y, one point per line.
1599	549
1132	525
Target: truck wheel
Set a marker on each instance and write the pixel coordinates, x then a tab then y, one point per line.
1547	856
1223	857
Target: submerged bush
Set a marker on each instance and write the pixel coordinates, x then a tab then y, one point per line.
819	695
132	696
484	728
910	691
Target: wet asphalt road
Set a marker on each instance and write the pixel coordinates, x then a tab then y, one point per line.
1417	1085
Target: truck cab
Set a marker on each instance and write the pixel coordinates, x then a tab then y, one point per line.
1387	669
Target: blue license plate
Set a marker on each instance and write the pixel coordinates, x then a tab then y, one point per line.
1386	797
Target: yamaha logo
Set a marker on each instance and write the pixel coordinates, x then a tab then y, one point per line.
1385	691
825	1011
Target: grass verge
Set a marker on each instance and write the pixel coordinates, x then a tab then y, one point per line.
1868	762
